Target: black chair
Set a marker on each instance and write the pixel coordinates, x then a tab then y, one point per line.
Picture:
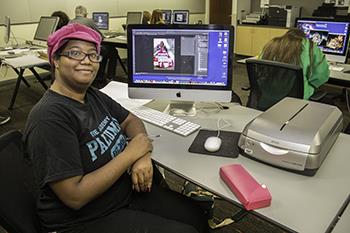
17	201
271	81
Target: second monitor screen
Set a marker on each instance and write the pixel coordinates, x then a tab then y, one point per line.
101	19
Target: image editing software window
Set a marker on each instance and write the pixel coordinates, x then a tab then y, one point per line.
330	36
181	57
101	20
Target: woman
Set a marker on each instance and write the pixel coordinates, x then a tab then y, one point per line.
157	17
294	48
90	179
146	17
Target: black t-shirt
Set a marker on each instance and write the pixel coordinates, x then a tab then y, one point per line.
65	138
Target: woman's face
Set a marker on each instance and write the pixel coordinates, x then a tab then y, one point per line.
75	73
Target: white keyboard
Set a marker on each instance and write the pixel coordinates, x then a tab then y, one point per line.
166	121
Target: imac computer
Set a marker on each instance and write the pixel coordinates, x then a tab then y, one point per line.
46	26
101	20
331	36
133	18
167	16
7	32
181	63
181	16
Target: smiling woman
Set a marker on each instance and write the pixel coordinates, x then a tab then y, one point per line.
90	177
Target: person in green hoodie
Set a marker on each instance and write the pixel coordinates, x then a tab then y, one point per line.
294	48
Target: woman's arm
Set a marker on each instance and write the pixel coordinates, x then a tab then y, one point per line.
77	191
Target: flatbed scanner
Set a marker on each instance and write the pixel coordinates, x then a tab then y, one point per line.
294	135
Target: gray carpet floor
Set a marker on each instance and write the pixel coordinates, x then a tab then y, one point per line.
27	97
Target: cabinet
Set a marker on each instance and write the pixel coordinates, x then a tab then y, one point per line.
250	40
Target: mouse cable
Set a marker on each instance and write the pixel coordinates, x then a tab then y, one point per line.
227	124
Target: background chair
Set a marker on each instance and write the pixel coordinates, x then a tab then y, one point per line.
271	81
17	202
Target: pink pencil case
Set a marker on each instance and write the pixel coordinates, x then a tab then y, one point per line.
247	190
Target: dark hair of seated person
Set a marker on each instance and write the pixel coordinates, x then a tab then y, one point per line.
63	18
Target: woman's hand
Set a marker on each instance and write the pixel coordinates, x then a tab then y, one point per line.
139	146
142	174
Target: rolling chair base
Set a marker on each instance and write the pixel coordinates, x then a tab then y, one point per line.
4	119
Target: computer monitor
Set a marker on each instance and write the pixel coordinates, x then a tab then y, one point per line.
180	62
7	32
101	20
181	16
46	26
331	36
167	16
133	18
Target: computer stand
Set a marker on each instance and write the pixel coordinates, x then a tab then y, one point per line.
181	108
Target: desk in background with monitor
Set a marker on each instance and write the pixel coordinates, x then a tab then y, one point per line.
180	62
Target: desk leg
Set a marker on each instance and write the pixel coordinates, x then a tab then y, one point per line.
15	91
22	78
37	76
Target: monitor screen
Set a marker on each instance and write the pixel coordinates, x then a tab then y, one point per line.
181	17
47	25
167	16
133	18
180	62
101	20
330	36
7	32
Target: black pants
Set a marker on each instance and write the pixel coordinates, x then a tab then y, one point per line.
160	211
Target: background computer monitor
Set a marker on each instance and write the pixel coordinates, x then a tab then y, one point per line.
180	62
133	18
331	36
46	26
167	16
101	20
181	16
7	32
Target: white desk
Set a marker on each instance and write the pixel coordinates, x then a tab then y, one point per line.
343	225
19	65
299	203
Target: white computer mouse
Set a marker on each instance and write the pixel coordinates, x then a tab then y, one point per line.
212	144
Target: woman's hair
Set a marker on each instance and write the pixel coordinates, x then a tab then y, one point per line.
157	17
63	18
286	48
146	17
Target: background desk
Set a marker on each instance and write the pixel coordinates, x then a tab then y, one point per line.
19	65
117	42
299	203
340	78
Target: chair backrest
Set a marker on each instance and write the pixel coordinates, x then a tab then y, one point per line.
271	81
17	201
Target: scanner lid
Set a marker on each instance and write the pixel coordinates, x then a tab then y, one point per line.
295	124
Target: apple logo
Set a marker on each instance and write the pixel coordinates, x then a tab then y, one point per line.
178	94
